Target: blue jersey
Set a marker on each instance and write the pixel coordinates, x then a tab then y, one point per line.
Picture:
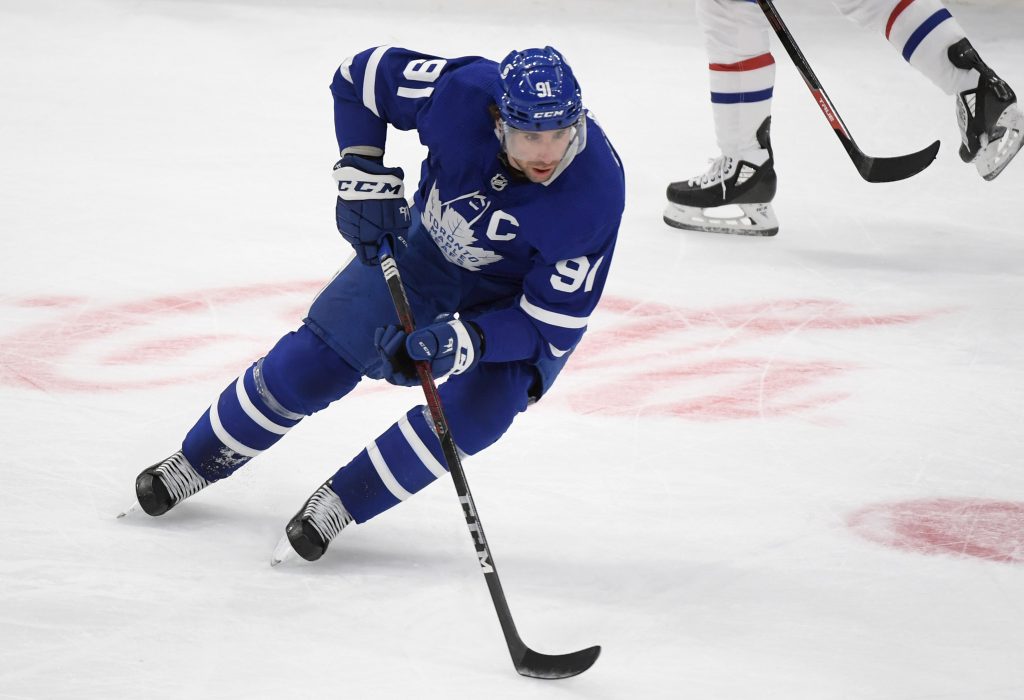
553	241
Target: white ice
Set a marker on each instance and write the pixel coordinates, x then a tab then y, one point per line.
712	490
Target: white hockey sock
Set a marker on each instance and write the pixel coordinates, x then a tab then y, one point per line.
741	99
922	31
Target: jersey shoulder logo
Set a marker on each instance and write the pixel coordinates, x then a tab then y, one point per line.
453	232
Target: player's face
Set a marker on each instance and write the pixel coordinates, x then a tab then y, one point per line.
537	153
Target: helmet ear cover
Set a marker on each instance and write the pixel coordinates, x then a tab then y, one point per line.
539	91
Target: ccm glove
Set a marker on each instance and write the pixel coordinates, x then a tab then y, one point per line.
450	346
371	205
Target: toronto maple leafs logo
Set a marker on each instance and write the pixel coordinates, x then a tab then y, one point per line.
452	231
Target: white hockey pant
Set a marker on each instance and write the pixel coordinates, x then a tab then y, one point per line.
742	71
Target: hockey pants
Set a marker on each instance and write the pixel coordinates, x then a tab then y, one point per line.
302	375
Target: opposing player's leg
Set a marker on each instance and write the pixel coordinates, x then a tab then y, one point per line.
742	178
480	407
298	377
929	38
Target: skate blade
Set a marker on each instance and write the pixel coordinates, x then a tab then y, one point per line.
995	156
752	219
282	552
128	511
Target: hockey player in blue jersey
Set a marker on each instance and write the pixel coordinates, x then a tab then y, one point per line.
512	230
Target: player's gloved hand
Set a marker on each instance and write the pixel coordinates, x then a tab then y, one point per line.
371	205
450	346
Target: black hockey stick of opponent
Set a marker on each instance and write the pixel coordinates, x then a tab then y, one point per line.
527	661
870	168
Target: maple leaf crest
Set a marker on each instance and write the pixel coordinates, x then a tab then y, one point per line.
453	233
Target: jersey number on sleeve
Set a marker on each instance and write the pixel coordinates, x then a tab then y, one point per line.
572	273
423	71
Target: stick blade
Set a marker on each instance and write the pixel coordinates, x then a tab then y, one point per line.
537	665
898	168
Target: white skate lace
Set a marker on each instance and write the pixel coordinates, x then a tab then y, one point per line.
717	171
180	479
325	512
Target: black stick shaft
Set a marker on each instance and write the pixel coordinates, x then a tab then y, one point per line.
526	661
807	73
451	455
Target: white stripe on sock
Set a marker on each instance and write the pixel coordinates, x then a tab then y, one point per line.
225	437
420	448
384	472
254	413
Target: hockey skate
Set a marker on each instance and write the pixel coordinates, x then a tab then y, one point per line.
744	181
309	533
991	121
166	484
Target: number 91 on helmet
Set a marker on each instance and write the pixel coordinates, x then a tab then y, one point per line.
541	124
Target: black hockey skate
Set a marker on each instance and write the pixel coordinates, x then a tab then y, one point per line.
746	180
991	122
319	521
166	484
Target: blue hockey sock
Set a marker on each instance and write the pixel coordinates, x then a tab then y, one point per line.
404	459
480	406
240	424
299	376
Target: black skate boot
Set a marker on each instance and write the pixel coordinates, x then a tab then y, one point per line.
991	122
163	486
745	179
319	521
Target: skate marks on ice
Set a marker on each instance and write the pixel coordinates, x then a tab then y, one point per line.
640	358
721	363
985	529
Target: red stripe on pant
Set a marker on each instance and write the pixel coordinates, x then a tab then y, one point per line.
754	63
896	12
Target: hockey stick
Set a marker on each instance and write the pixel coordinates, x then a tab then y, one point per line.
870	168
527	661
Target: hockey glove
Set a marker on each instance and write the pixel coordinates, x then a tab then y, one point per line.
450	346
371	205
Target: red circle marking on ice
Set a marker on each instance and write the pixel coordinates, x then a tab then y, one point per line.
709	364
46	355
706	364
991	530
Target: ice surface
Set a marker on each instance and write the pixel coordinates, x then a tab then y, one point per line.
780	469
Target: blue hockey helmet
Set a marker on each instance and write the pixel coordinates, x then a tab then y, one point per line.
539	91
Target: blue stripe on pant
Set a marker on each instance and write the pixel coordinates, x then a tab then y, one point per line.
730	98
924	30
